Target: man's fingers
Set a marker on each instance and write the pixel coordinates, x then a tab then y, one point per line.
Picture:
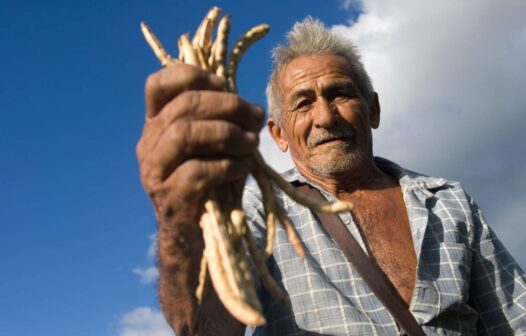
165	84
202	175
212	105
186	140
191	180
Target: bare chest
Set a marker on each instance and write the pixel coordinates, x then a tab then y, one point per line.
384	225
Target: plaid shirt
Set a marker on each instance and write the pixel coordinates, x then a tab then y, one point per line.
466	281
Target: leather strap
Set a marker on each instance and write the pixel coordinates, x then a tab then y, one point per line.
369	270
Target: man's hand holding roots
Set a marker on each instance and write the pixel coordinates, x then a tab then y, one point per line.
222	220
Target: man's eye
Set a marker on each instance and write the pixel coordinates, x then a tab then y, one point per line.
303	105
342	97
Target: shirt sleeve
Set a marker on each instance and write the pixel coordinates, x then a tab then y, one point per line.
498	284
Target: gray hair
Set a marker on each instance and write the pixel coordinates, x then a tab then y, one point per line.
311	37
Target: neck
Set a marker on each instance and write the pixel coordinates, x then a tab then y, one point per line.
363	177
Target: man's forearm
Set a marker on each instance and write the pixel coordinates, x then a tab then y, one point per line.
177	268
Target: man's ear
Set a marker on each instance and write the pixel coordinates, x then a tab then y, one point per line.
275	132
374	108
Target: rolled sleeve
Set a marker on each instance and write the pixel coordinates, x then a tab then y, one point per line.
498	284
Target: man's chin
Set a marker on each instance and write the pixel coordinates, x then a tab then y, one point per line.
335	163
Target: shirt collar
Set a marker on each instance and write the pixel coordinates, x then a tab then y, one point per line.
406	177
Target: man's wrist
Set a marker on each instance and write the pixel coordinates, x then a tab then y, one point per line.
179	242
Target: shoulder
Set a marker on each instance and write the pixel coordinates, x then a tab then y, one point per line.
443	197
414	180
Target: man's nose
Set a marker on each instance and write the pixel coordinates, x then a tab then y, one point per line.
325	114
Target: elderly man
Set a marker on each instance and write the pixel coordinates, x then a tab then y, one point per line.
429	237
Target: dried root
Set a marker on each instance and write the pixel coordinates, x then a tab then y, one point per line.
199	292
189	54
221	45
224	226
240	47
241	302
156	45
203	35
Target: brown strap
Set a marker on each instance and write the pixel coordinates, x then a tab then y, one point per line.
370	271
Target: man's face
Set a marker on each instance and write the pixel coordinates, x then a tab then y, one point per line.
325	121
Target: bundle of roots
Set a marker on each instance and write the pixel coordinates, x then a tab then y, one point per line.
223	222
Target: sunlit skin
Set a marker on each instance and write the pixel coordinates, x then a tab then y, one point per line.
327	125
318	95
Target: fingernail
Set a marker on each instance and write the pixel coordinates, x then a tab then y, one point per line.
217	80
251	137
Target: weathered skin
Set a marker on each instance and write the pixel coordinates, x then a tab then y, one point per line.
195	137
319	98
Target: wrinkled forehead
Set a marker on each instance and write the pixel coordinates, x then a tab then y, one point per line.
306	72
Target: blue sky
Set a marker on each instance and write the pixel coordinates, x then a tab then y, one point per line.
76	224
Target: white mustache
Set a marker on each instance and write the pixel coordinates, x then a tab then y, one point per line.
323	134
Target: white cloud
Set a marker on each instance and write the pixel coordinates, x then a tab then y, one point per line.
351	5
273	156
147	275
152	249
450	76
144	321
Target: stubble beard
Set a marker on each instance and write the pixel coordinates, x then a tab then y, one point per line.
338	159
334	159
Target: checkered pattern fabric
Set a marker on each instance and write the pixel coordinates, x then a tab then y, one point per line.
466	282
